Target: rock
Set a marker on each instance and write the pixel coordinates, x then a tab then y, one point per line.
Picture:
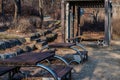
19	51
7	44
27	49
13	42
9	55
51	37
43	38
1	56
40	45
28	40
2	46
34	36
36	41
32	46
22	40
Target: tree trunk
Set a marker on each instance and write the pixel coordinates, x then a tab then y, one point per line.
2	7
17	9
41	12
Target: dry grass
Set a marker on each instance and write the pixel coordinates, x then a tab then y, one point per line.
116	29
27	24
4	36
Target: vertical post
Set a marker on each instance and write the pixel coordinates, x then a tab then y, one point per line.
71	22
76	22
67	22
2	7
63	19
107	23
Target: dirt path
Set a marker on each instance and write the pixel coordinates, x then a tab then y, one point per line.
103	64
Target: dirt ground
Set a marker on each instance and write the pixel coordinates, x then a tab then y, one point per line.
103	64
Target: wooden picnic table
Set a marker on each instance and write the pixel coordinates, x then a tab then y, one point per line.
79	56
33	60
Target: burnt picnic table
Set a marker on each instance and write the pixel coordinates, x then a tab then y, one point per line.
33	60
82	55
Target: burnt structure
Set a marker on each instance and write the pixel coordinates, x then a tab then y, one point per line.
71	17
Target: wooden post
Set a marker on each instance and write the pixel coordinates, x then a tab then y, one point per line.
107	23
76	21
73	19
63	19
67	22
71	22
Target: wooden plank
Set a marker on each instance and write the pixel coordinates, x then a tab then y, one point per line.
61	71
63	19
61	45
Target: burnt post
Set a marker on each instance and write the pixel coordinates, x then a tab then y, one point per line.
67	27
107	22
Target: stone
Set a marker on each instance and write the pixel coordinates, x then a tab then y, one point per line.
34	36
28	39
1	56
19	51
43	38
2	46
36	41
40	45
32	46
22	40
9	55
27	49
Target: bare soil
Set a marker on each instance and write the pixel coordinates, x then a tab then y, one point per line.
103	64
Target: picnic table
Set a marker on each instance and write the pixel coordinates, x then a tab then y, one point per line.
33	60
79	57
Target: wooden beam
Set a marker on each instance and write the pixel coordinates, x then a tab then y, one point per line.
67	22
71	22
63	19
76	21
107	23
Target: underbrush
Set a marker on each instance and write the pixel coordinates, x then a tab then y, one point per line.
27	24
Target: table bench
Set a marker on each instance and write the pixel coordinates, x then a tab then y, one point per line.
82	55
33	60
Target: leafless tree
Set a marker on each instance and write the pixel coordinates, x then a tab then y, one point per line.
41	11
17	9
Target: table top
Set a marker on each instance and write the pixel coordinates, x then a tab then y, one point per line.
61	45
27	59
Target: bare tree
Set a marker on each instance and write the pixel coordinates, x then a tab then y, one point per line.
2	7
41	11
17	9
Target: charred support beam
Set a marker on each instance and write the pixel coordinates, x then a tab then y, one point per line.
107	22
71	22
67	33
